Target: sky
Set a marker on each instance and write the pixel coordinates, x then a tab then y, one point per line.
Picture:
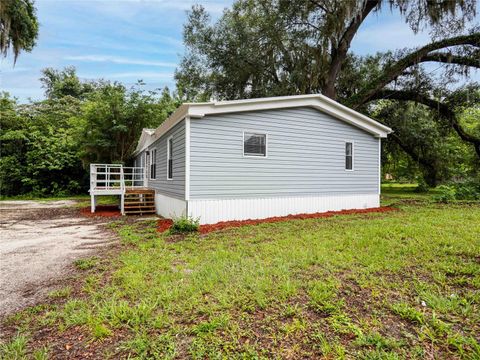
125	41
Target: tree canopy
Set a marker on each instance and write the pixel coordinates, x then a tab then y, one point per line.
279	47
18	26
46	146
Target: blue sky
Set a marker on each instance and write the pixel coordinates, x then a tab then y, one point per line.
130	40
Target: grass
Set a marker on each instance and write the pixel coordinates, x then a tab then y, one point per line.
81	200
396	285
45	198
86	263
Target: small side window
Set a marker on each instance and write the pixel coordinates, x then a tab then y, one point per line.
153	165
254	144
348	156
170	158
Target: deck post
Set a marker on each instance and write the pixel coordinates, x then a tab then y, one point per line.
93	203
122	203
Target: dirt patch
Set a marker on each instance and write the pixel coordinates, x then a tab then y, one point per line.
102	211
38	244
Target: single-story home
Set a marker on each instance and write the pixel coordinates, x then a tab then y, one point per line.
259	158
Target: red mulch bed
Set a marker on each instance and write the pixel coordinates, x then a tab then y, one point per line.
101	210
164	224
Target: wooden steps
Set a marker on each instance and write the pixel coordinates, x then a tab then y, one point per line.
139	202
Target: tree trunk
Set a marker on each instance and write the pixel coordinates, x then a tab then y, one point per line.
339	54
428	167
430	176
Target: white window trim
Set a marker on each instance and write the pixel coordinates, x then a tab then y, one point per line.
168	156
152	160
256	132
146	166
345	156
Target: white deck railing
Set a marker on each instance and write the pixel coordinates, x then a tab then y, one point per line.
115	178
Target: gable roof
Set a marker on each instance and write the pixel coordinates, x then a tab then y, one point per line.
316	101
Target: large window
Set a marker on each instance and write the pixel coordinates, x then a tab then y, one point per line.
153	164
348	155
170	158
254	144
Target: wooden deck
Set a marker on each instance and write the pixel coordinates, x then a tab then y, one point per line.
126	182
139	201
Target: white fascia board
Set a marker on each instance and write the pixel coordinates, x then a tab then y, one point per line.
319	102
316	101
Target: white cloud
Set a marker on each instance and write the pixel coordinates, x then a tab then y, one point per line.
119	60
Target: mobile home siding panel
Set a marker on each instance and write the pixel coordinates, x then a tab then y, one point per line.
305	156
176	186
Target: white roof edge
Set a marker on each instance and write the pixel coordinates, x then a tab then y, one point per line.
318	101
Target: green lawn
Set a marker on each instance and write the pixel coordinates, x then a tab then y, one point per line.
393	285
81	200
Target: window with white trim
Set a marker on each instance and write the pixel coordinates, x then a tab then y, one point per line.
254	144
153	164
170	158
348	155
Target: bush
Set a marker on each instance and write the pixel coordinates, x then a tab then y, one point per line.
468	190
445	194
184	224
422	186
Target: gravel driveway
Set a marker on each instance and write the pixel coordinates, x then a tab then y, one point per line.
38	244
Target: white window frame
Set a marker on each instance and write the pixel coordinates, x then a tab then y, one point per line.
168	157
345	155
152	174
146	164
255	132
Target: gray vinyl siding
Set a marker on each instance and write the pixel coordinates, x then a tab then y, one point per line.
305	156
139	159
176	186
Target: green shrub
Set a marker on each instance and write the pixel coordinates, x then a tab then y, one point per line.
422	186
446	194
184	224
468	190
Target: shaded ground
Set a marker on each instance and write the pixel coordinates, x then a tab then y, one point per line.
38	243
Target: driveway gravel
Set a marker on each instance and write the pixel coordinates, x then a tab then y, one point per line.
39	242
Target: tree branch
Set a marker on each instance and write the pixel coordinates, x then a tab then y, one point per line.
321	6
339	53
473	61
395	70
444	110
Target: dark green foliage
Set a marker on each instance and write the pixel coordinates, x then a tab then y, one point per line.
184	224
65	82
267	48
39	145
435	153
46	146
114	118
468	190
422	186
270	48
18	26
